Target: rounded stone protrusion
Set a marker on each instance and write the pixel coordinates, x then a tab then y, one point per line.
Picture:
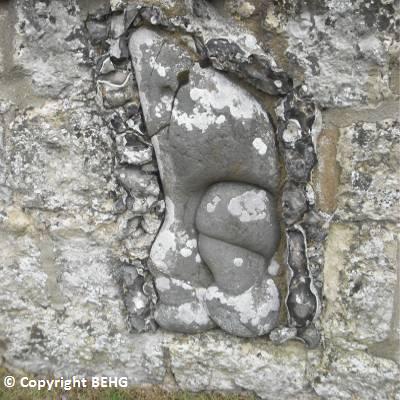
254	312
190	317
234	269
206	129
301	302
174	291
240	214
238	235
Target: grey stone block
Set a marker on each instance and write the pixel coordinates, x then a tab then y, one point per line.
210	138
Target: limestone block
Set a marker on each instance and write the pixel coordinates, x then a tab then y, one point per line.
60	157
360	281
78	328
343	49
227	363
370	171
54	70
345	374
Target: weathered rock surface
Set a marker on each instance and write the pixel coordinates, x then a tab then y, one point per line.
253	312
239	214
362	306
207	129
243	267
64	216
344	374
301	300
370	179
235	365
75	239
345	49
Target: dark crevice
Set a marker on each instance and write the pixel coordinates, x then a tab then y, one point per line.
158	54
183	79
161	128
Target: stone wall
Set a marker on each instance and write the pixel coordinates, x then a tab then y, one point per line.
81	202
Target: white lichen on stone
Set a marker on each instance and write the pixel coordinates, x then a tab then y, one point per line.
185	252
211	96
191	313
273	267
238	262
166	240
162	283
213	204
250	206
260	146
250	308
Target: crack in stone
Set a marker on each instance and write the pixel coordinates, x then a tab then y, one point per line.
158	54
169	378
298	151
183	79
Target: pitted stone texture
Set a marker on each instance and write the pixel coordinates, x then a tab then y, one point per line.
370	178
233	364
78	326
360	282
55	71
349	374
64	216
344	49
48	150
205	130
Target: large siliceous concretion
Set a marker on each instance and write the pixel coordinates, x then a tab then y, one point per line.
217	158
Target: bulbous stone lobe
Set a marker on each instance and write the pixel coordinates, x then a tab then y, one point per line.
240	214
252	313
238	234
234	269
205	129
